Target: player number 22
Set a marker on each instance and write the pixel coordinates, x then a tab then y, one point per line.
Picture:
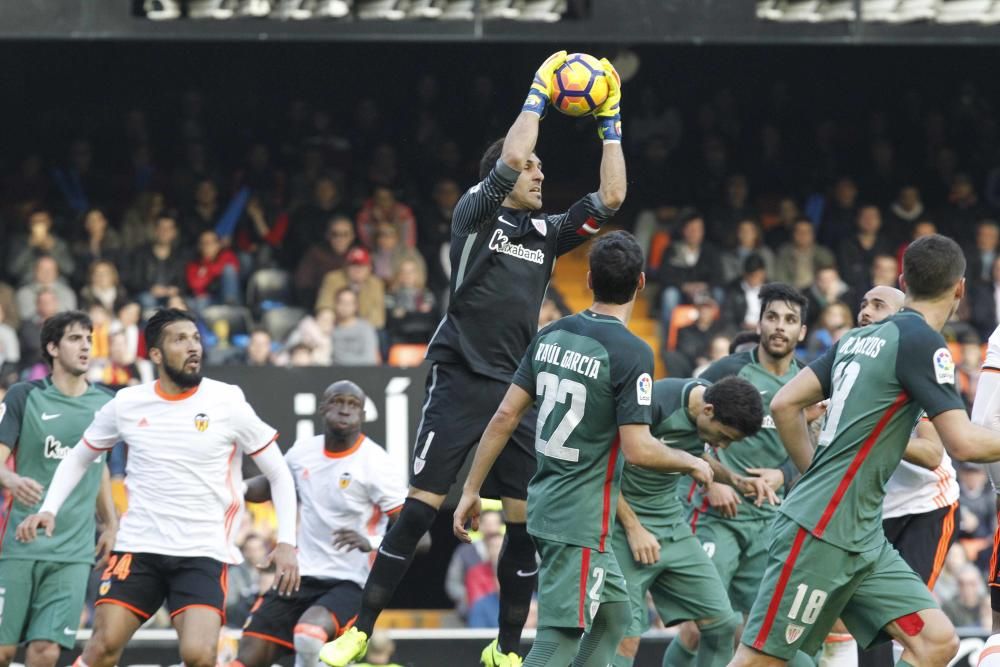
813	606
553	390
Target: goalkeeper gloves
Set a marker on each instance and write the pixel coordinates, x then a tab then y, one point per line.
541	87
609	119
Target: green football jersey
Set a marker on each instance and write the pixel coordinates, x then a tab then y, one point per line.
589	375
878	379
762	450
653	495
41	425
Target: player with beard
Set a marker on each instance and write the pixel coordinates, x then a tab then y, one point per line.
349	494
43	585
186	439
735	534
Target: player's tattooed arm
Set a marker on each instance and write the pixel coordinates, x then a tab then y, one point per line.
258	490
925	449
643	544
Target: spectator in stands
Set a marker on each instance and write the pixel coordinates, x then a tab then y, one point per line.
969	367
99	242
467	556
839	218
749	241
920	229
316	332
260	349
307	223
46	305
355	341
383	207
264	180
259	235
904	212
322	258
10	348
8	301
981	255
244	580
780	231
357	275
884	271
827	288
835	319
103	286
718	348
724	218
483	588
158	267
970	607
45	277
388	252
204	212
117	370
977	507
741	304
141	218
799	260
984	303
299	356
959	217
39	241
434	239
693	340
856	252
214	277
691	267
549	312
411	315
128	316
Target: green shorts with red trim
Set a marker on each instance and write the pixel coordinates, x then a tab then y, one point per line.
573	582
809	584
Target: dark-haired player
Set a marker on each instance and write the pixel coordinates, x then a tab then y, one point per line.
655	547
43	585
186	437
591	380
829	556
502	253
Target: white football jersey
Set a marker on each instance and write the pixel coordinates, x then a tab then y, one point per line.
356	489
986	407
183	475
913	489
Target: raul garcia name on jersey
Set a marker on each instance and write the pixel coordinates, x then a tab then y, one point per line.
580	363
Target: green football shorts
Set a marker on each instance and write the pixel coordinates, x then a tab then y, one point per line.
573	582
738	549
41	600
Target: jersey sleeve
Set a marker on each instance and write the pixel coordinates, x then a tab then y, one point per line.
926	370
12	413
475	209
823	368
632	381
103	433
992	360
986	407
524	376
579	223
252	434
725	367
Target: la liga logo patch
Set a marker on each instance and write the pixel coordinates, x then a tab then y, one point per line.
944	366
644	389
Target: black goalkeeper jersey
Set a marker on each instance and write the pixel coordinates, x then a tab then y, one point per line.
501	263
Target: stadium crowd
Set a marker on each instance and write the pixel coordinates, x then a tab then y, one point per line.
325	242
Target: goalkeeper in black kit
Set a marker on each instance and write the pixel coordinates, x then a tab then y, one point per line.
502	254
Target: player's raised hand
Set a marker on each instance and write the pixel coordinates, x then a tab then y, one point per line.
26	491
27	530
347	540
286	568
609	119
757	488
723	498
468	511
541	86
643	544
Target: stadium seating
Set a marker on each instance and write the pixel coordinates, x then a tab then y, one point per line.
268	288
280	322
237	319
405	355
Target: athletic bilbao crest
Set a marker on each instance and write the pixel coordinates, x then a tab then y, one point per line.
793	632
345	480
201	421
540	226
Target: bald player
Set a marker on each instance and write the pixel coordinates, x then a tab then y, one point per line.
348	494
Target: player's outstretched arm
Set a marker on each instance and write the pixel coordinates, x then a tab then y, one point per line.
788	411
966	441
640	448
925	449
643	544
279	478
107	517
515	403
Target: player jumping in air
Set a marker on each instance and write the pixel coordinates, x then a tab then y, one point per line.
829	557
502	253
592	381
186	438
348	493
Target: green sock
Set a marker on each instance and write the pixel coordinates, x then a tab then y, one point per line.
678	655
553	646
598	647
716	646
622	661
801	659
903	663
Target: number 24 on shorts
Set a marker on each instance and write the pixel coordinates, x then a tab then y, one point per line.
119	567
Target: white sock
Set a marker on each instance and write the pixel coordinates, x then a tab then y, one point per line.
839	650
990	655
308	639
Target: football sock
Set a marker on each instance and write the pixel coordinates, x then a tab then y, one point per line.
597	647
308	640
801	659
840	650
990	655
393	560
716	646
553	646
678	655
517	571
